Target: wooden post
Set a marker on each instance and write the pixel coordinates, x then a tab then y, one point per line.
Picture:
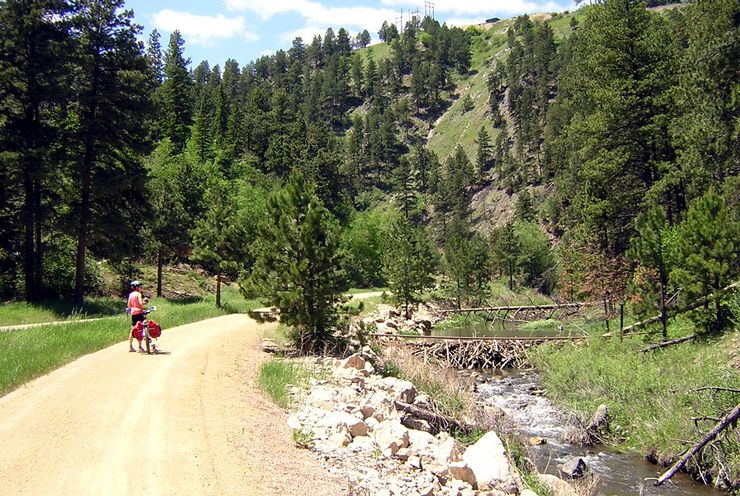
621	321
218	290
160	263
606	312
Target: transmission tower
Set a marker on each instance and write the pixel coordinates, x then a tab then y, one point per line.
428	9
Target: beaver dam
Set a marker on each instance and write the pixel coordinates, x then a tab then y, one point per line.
475	352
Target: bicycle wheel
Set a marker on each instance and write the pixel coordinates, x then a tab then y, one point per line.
147	340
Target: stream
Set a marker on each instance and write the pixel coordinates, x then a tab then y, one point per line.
618	474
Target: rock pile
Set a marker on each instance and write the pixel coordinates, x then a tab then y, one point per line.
390	320
356	427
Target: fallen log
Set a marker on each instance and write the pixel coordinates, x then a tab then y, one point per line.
728	420
696	304
664	344
436	420
518	308
599	421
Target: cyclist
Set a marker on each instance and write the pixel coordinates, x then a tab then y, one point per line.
136	304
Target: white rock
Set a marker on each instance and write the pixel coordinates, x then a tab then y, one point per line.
447	451
372	423
557	485
322	396
421	440
362	443
487	459
402	390
294	421
343	420
527	492
391	436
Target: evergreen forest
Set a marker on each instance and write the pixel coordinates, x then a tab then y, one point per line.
589	155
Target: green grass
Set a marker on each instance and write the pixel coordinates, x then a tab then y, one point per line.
518	455
30	353
12	313
276	377
650	396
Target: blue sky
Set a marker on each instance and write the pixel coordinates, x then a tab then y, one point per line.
215	30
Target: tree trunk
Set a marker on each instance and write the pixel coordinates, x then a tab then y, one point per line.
663	316
731	418
28	244
218	290
82	237
160	263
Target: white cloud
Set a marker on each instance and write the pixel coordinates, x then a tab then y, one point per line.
202	30
316	14
306	34
484	8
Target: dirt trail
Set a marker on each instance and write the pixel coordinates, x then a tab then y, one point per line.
189	422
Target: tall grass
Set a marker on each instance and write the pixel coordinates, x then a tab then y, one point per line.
30	353
451	393
276	377
651	397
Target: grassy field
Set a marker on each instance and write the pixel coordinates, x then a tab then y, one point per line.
652	397
30	353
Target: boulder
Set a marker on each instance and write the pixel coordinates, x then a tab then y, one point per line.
401	390
557	486
390	437
447	451
487	458
461	471
420	440
362	443
574	467
354	361
344	421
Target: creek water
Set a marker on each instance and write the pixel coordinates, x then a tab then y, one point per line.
618	474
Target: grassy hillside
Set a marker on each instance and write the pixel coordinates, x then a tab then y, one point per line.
456	126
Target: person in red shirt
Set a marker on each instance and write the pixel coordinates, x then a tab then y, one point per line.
136	304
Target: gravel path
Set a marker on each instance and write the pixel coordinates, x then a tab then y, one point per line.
192	421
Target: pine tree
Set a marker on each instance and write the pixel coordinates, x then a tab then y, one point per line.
707	254
109	110
485	151
176	94
219	241
652	247
620	82
466	263
507	250
409	261
34	79
297	262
